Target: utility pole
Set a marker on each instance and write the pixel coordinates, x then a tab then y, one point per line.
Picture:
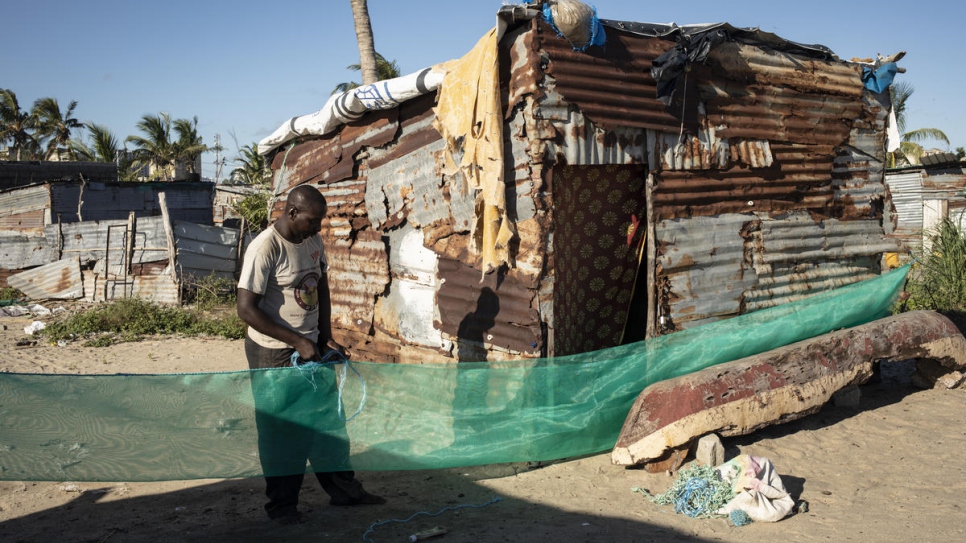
219	161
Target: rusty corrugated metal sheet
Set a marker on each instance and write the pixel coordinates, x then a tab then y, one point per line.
945	184
31	221
765	66
523	70
59	280
509	322
331	158
358	272
611	85
713	267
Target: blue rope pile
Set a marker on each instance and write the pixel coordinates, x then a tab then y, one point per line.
697	492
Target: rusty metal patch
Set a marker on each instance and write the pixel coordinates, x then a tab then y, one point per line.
495	309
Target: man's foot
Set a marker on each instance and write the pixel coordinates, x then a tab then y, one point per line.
297	518
366	499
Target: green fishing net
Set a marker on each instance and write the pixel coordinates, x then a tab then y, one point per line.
391	416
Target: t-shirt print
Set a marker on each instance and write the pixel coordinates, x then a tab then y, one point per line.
307	292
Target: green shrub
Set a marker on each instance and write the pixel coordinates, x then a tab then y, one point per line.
131	319
10	293
254	208
938	278
210	292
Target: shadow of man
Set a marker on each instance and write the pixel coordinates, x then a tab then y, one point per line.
469	403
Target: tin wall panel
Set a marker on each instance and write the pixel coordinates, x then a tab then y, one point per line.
703	263
20	250
715	267
578	141
766	66
31	221
59	280
158	288
24	200
190	202
204	250
409	186
502	314
611	85
88	240
345	198
408	310
20	173
358	272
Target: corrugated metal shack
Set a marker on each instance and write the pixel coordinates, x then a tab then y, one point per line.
761	182
924	195
116	234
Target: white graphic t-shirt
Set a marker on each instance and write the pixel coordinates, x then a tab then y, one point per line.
287	277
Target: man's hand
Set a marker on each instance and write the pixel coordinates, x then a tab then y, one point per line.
332	345
308	350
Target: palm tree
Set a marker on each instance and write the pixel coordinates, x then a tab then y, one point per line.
155	148
253	170
104	148
910	151
367	46
388	69
189	146
16	126
55	126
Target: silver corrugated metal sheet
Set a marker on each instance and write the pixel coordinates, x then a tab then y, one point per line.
408	310
59	280
704	262
88	240
205	250
19	251
730	264
410	184
22	200
158	288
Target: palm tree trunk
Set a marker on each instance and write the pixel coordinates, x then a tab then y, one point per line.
367	45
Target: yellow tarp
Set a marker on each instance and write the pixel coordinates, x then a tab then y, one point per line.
469	116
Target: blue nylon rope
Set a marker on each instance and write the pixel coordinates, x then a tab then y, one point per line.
374	525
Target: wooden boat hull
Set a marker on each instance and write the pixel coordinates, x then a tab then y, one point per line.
739	397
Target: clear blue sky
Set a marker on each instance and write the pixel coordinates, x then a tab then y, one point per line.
245	67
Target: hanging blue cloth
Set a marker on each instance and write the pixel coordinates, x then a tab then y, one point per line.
879	80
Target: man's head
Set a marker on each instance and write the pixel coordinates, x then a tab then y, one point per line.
304	211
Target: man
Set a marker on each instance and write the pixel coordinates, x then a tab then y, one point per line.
283	296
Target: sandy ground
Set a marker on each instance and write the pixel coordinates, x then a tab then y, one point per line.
893	469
